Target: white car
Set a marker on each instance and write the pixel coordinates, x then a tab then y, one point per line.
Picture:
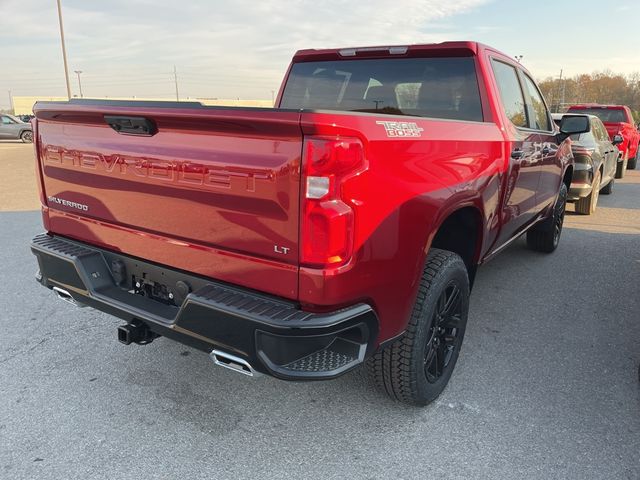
14	128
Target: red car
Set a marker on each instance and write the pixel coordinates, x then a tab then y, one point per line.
618	121
343	227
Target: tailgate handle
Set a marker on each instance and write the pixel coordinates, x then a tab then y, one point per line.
132	125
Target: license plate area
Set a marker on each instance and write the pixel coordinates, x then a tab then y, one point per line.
163	285
154	290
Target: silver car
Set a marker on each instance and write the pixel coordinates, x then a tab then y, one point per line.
14	128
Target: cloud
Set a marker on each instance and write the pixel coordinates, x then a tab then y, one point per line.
221	49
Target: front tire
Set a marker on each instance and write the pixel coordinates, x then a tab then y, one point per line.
27	136
608	189
621	168
634	161
416	368
545	237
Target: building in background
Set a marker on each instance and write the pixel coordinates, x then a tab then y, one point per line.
24	105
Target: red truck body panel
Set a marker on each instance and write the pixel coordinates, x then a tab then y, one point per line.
408	189
217	191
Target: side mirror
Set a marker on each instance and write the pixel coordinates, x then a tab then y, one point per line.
617	139
574	124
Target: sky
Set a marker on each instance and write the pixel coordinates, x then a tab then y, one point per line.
241	49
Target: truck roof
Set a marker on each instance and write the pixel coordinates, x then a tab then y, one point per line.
456	48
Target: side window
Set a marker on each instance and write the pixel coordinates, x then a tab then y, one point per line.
595	129
603	131
540	121
510	93
6	120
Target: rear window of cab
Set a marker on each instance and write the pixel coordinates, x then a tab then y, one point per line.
444	88
610	115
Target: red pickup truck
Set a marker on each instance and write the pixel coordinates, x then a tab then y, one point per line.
618	121
343	227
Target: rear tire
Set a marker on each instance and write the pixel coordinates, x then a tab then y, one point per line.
416	368
587	205
27	136
608	190
621	168
634	161
545	236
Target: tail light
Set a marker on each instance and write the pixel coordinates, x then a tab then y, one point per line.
328	217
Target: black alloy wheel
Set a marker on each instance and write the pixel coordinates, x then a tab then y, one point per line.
558	217
416	367
444	333
545	236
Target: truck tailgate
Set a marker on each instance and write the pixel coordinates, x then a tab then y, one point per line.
214	191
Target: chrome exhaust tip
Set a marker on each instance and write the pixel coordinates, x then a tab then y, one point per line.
232	363
65	296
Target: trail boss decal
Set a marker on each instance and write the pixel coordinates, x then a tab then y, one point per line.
401	129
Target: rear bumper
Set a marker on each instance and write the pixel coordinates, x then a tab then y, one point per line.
582	178
273	335
578	191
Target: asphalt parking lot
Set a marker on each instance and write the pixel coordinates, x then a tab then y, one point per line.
546	385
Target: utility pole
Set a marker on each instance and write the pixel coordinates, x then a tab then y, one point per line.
64	51
10	101
175	79
78	72
559	89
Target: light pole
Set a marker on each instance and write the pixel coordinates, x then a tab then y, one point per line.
518	58
78	72
64	50
175	79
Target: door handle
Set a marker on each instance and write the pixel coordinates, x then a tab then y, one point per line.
131	125
517	153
